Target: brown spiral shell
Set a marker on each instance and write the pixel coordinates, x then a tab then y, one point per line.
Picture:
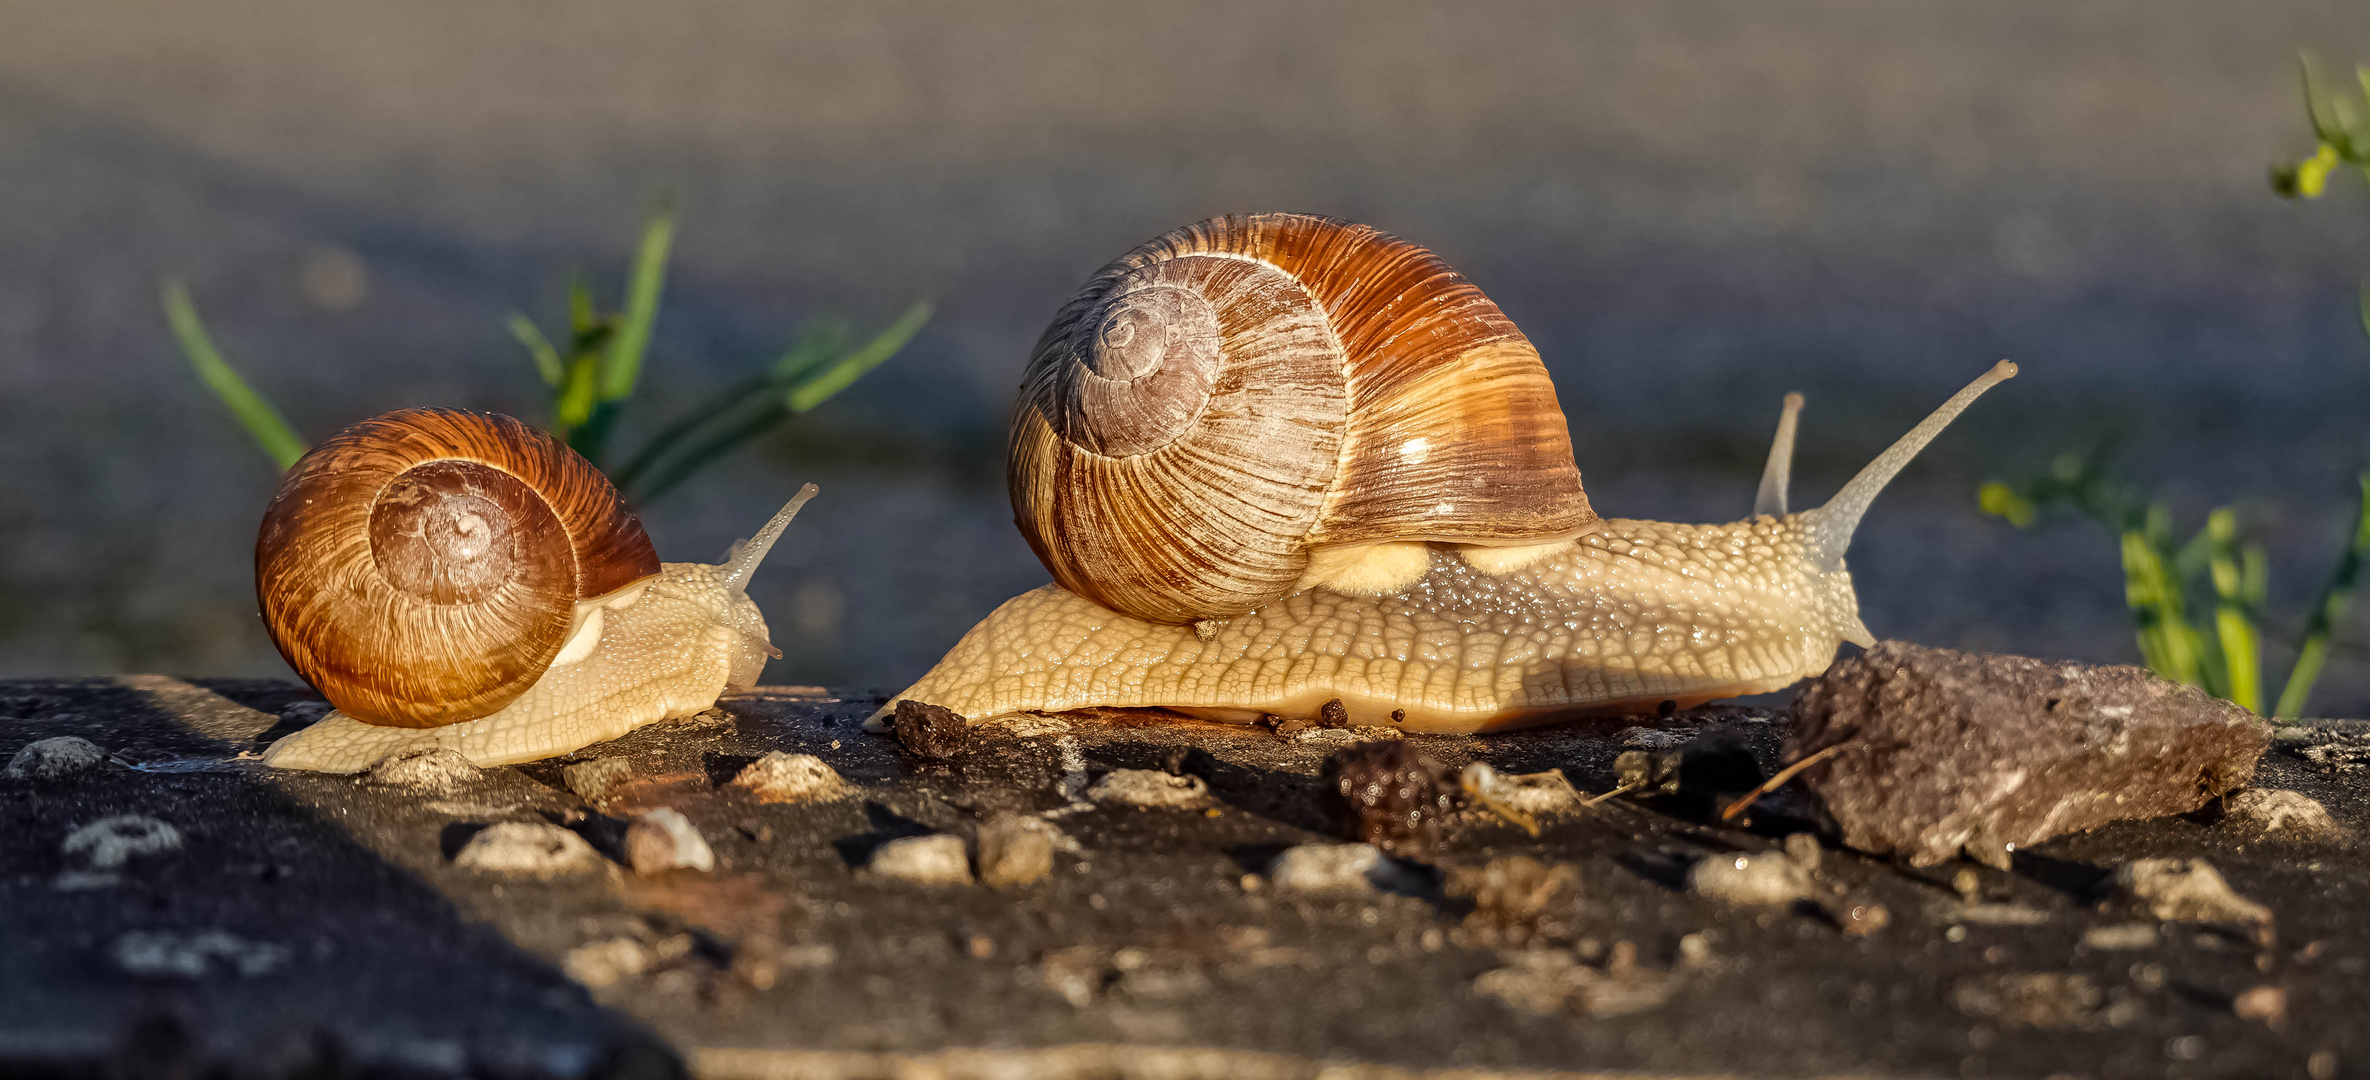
422	568
1222	399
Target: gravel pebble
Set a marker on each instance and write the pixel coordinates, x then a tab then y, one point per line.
52	758
193	956
937	859
1014	850
1337	869
1388	794
1150	788
592	780
930	731
2272	809
528	848
1768	878
2136	935
603	963
780	777
111	842
436	770
2185	890
663	839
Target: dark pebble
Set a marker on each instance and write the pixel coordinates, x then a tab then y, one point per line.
931	731
1387	794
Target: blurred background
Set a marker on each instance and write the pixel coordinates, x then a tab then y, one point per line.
1691	208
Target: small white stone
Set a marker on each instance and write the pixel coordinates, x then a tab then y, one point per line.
780	777
1768	878
603	963
111	842
2185	890
937	859
2274	809
1150	788
593	780
434	769
662	840
2137	935
191	956
527	848
1336	869
49	759
1014	850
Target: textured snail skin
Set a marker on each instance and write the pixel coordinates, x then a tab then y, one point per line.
664	647
1631	614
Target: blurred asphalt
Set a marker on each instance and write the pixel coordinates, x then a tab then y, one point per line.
1691	207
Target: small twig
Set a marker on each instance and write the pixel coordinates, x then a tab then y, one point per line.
1778	781
1610	794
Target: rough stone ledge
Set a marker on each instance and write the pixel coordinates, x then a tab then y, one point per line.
306	924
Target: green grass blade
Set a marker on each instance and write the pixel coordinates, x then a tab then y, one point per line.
583	316
818	388
255	414
2328	611
2167	640
815	347
716	444
721	408
622	367
547	359
2238	642
572	406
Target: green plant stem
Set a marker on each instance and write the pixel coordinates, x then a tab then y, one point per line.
2328	612
263	422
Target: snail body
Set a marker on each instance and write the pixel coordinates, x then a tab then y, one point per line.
450	579
1429	560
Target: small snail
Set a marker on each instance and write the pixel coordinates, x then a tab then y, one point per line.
451	579
1273	461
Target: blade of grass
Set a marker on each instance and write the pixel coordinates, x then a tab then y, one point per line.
717	444
2234	630
2328	610
718	408
572	405
255	414
547	359
819	388
621	369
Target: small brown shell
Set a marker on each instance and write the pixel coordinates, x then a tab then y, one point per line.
1220	400
422	568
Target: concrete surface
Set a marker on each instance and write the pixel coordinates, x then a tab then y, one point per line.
319	925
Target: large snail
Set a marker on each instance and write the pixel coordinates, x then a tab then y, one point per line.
1275	461
459	580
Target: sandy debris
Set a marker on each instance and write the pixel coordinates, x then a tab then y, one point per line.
1014	850
111	842
593	780
532	849
936	859
663	839
1768	878
2185	890
435	770
2271	810
1150	788
780	777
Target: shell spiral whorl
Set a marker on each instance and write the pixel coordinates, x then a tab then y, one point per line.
422	568
1220	400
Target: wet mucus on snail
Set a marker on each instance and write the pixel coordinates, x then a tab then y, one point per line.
1274	461
462	581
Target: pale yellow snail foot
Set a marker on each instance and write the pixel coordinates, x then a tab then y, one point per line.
1632	614
663	648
